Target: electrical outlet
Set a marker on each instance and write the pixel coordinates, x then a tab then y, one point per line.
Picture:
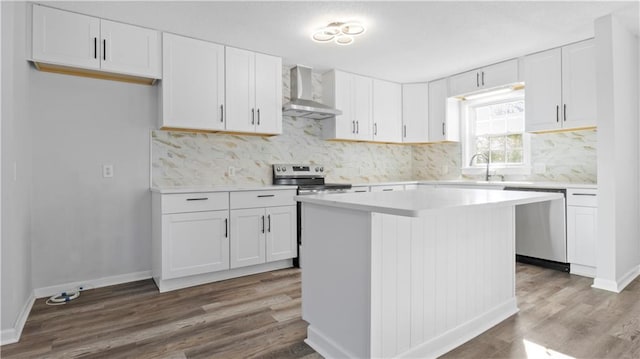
107	171
231	171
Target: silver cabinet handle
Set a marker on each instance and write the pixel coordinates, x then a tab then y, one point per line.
482	78
226	228
405	131
353	126
266	195
477	79
262	224
387	189
258	117
253	116
564	115
95	47
221	113
443	128
198	199
557	113
357	126
104	50
360	191
584	194
375	129
269	221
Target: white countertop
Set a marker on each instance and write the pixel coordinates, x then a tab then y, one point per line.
526	184
415	202
167	190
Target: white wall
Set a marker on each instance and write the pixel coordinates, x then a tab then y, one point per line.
16	153
86	226
618	213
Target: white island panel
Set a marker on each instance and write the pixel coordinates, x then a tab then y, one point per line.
380	285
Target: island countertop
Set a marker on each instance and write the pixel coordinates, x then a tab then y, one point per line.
414	203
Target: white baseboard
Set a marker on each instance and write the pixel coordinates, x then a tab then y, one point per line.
325	346
12	335
618	285
585	271
459	335
91	283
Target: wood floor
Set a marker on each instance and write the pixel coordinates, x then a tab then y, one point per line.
259	317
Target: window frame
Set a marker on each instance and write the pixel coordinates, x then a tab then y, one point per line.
467	138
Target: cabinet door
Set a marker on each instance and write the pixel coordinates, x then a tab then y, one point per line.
240	90
543	96
362	107
465	83
338	92
581	235
579	85
268	77
194	243
192	83
65	38
247	237
501	74
387	111
281	233
130	49
437	110
415	113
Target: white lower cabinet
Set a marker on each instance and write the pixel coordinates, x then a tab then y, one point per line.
195	243
204	237
248	243
281	233
263	227
582	217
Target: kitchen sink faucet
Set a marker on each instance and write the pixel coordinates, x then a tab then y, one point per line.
480	154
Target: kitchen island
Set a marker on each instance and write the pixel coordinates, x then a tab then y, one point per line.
407	274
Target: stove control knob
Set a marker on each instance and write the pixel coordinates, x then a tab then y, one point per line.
321	169
278	169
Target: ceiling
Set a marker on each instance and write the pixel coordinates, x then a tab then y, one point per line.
405	41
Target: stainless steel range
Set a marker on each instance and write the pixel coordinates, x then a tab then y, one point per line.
310	180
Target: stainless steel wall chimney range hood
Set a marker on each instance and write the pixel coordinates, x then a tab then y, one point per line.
302	104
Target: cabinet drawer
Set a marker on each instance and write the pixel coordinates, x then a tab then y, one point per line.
194	202
256	199
582	197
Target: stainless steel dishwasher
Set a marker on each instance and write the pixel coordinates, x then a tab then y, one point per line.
541	235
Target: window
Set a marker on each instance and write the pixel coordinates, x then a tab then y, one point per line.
494	126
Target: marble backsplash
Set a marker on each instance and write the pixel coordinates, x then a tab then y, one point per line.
202	159
568	157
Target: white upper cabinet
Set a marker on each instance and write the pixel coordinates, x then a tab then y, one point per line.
268	75
387	111
561	88
579	85
62	38
65	38
253	92
415	113
192	84
443	113
337	92
488	77
130	49
543	90
363	107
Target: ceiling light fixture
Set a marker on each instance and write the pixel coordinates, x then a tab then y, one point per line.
342	33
